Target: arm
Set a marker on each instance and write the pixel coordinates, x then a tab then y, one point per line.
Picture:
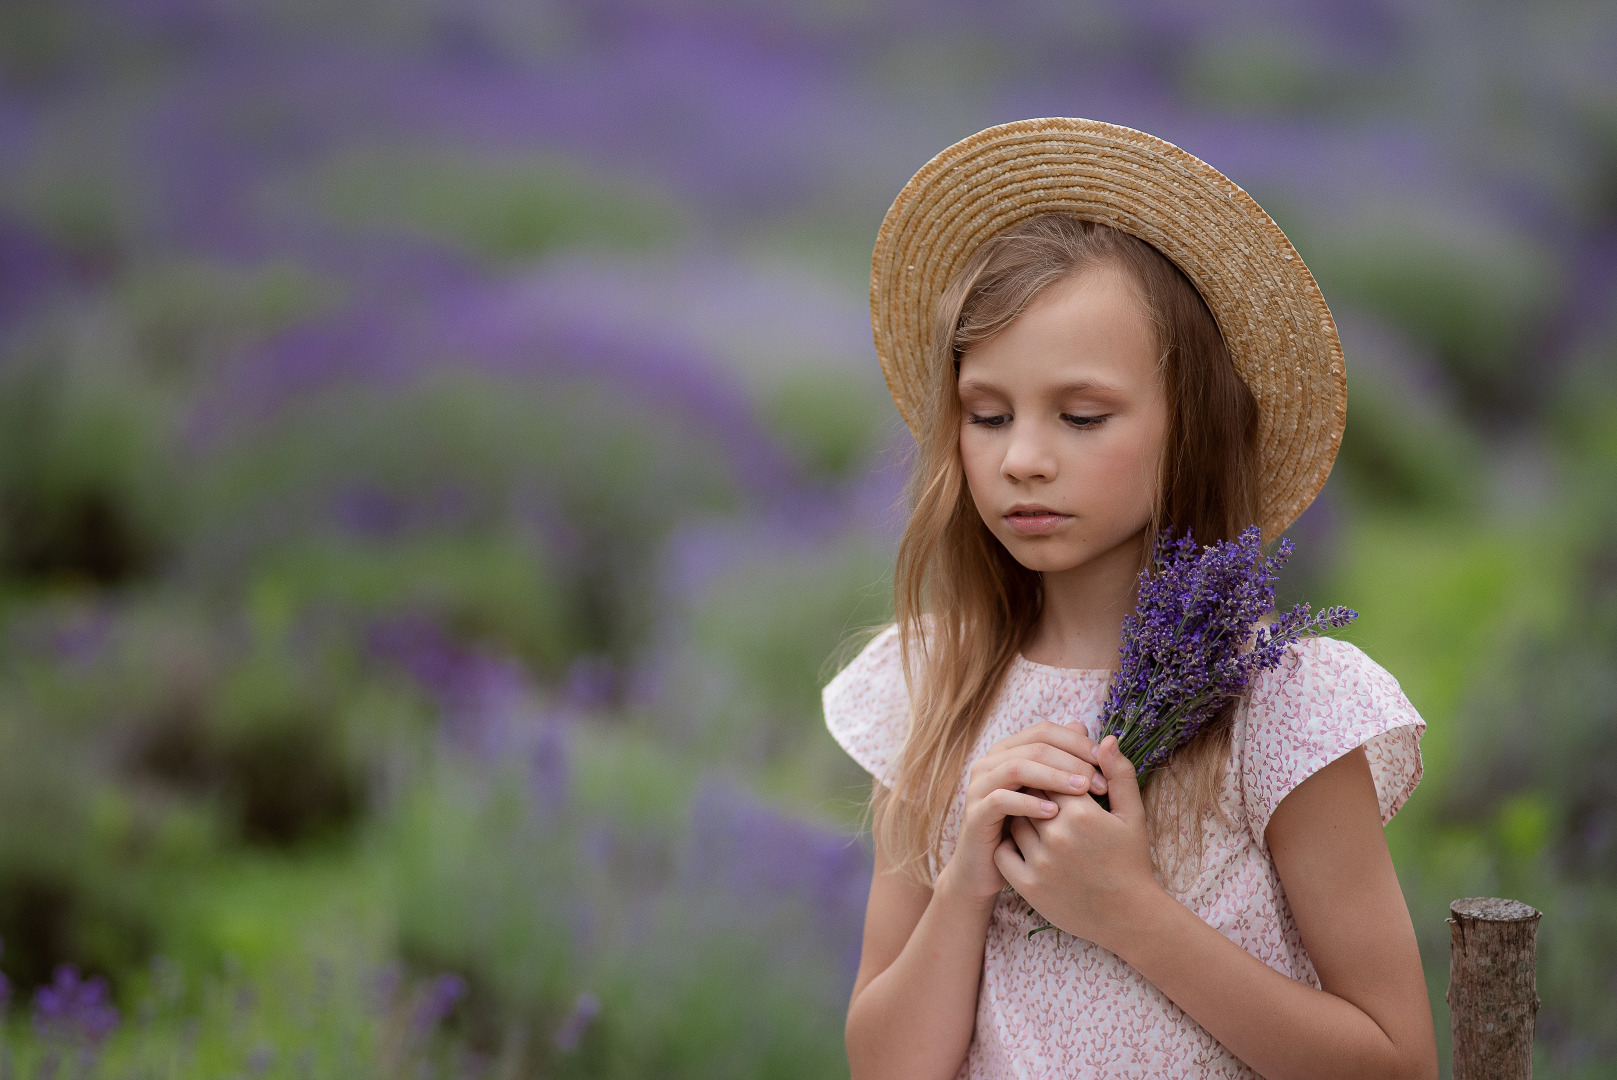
915	998
1371	1019
914	1001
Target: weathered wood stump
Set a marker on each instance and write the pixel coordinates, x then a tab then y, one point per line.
1493	996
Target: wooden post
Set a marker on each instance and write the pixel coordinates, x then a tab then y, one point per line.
1493	997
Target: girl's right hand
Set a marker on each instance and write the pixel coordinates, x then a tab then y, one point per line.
1012	780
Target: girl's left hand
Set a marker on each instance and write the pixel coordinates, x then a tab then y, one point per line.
1086	870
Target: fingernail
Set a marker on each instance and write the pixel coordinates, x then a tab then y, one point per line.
1098	784
1048	807
1076	782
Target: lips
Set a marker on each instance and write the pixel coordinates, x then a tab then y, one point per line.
1032	519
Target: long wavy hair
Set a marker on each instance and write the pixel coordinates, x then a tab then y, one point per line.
965	607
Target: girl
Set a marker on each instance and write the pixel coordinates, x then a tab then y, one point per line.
1074	389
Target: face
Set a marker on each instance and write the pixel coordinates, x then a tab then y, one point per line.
1063	420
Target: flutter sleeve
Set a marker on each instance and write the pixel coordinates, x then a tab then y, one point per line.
867	706
1323	700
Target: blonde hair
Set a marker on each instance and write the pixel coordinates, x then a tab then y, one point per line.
965	607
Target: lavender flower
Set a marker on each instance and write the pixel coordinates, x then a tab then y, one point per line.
436	1001
259	1059
748	865
1184	652
571	1032
74	1009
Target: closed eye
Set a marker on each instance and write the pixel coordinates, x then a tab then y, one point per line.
993	420
1085	421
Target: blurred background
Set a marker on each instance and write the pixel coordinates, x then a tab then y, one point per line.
442	455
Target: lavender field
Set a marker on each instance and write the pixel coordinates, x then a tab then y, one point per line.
442	455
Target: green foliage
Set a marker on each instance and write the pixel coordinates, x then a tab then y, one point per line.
1398	455
774	621
830	423
184	316
303	1020
483	891
35	37
1523	827
1472	296
1503	646
502	472
717	1007
489	884
1267	73
490	585
508	209
83	457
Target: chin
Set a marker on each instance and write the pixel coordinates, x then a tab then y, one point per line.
1042	558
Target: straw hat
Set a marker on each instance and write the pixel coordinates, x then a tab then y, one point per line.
1275	323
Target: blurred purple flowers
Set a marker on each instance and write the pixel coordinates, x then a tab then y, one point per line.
1184	651
437	999
74	1009
749	865
572	1030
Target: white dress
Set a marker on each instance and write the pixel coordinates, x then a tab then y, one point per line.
1060	1006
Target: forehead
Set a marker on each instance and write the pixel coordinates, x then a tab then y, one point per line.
1091	328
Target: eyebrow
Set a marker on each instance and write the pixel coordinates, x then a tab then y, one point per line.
1081	386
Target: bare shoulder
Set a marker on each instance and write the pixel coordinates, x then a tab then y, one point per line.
1332	813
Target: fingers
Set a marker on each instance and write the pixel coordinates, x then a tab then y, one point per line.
1001	803
1025	834
1089	750
1008	860
1017	771
1086	754
1069	737
1075	756
1036	750
1123	784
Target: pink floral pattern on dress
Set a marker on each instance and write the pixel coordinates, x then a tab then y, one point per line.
1059	1006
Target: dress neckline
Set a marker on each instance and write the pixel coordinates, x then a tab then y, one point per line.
1087	674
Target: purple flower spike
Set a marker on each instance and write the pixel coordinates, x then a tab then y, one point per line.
1185	649
438	998
74	1009
571	1032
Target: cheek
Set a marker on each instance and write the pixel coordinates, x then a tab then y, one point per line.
979	463
1124	472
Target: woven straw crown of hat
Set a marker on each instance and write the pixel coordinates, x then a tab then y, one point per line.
1275	324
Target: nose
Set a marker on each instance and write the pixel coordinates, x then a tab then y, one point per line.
1029	455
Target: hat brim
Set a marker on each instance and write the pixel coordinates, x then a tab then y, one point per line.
1275	324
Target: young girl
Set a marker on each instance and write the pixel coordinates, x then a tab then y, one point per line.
1095	336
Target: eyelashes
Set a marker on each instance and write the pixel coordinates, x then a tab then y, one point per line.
998	420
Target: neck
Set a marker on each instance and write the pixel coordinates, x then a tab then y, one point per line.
1081	622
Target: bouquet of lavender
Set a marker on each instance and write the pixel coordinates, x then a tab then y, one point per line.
1185	649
